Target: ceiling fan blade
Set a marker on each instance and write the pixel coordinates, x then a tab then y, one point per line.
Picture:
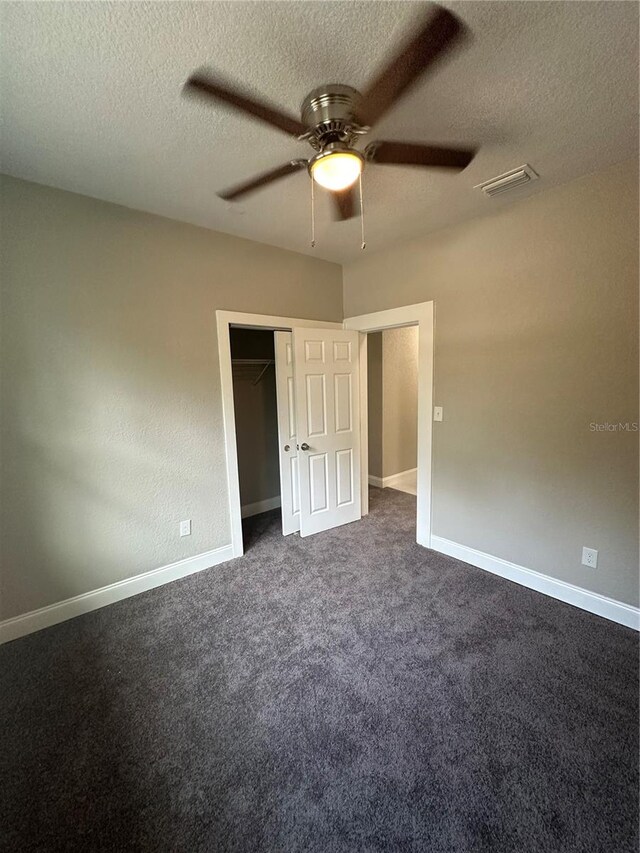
205	84
261	180
414	154
440	32
344	204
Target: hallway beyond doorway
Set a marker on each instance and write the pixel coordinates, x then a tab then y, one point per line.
406	482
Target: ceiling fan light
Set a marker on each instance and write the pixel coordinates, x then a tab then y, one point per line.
337	170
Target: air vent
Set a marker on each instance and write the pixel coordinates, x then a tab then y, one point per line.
509	181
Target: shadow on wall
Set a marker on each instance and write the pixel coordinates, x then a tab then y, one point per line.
88	452
111	429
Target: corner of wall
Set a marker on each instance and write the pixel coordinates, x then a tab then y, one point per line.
344	310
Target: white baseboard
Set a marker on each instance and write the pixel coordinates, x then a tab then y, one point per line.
19	626
391	481
616	611
260	506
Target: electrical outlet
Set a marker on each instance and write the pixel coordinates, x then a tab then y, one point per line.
590	557
185	527
437	413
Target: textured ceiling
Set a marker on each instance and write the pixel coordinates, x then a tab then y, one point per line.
91	103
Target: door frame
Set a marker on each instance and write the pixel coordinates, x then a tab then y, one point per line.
224	321
422	316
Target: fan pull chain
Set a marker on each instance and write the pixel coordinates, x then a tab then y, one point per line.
313	215
364	245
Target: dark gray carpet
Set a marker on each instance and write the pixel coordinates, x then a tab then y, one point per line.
346	692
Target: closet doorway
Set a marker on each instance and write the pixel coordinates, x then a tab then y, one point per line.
317	413
256	416
298	437
330	390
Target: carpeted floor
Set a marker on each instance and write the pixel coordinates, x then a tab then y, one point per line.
346	692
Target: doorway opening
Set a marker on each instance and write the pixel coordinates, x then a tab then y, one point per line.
226	323
392	397
256	420
331	415
420	315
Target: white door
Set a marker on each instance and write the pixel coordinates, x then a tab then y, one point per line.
287	439
327	403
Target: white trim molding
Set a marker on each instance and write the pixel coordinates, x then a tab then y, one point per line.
20	626
422	316
593	602
391	480
224	321
260	506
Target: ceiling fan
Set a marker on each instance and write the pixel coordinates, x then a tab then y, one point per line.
334	116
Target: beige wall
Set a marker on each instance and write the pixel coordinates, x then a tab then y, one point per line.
111	418
400	392
536	338
111	424
374	402
393	401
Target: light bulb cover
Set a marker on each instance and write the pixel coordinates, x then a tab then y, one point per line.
336	169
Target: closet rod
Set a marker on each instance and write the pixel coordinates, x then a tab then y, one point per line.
265	361
262	372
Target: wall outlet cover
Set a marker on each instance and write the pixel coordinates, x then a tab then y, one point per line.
185	527
590	557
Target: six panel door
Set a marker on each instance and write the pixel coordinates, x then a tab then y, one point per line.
326	382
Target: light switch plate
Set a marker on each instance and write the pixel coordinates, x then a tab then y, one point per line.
437	413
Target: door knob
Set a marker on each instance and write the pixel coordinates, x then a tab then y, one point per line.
304	446
286	447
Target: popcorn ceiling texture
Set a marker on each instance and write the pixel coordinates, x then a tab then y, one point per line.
91	103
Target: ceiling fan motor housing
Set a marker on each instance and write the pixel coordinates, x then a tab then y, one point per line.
330	114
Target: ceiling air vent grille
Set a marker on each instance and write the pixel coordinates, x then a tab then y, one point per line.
509	181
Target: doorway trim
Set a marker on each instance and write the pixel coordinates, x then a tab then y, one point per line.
422	316
224	321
